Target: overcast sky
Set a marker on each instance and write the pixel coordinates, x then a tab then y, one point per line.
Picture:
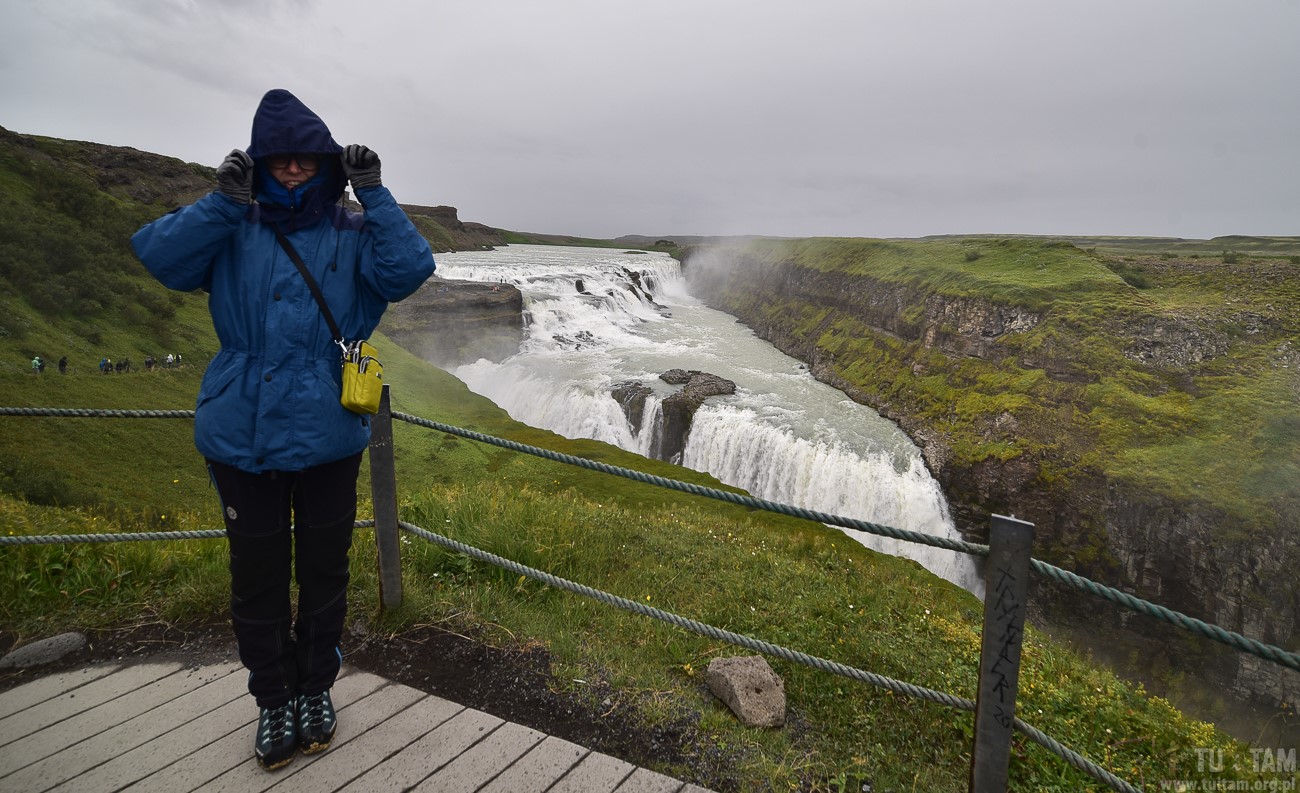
874	118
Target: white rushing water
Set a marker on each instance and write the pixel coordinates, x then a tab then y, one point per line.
782	436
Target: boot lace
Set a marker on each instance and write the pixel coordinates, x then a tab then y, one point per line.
312	711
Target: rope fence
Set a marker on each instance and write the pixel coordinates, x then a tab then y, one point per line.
1056	574
1072	757
1235	640
1053	573
136	536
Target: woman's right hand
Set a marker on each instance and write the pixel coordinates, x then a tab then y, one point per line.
235	177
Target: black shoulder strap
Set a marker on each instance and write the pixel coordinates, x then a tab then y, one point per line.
311	282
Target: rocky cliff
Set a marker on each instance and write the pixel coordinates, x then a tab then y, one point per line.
447	232
449	323
1022	401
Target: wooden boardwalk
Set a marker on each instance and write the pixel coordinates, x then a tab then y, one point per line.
168	726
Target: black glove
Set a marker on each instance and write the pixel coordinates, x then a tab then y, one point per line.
361	165
235	177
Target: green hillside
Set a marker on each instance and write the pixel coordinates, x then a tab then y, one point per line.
1179	375
772	577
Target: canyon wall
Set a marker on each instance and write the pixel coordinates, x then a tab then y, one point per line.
1184	552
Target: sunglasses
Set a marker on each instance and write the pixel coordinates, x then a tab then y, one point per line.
307	162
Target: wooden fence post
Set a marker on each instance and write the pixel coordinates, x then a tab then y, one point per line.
1006	590
383	495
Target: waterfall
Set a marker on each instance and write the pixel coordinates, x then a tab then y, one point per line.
824	476
598	318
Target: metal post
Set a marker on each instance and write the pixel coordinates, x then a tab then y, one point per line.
1006	593
383	495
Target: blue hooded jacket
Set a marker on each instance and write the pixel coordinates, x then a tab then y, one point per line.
270	398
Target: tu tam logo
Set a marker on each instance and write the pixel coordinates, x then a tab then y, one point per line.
1264	761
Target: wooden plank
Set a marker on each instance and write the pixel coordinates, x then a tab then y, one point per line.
436	749
88	711
1006	593
342	764
383	500
129	721
33	693
483	761
208	762
643	780
164	727
83	698
353	719
536	771
193	720
597	773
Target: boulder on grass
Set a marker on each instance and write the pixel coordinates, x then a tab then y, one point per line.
749	687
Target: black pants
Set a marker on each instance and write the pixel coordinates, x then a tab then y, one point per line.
282	522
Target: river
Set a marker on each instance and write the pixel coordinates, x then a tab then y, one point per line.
782	436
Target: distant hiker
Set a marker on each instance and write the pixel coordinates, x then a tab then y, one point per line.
63	365
148	363
168	361
283	452
36	365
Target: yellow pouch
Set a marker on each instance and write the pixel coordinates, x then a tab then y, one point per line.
363	378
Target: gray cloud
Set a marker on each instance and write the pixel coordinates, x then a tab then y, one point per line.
888	118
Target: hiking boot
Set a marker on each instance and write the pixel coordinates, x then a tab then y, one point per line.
277	736
316	722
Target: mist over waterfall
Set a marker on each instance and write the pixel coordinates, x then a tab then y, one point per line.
597	319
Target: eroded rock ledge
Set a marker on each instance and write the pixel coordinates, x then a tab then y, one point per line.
673	424
450	323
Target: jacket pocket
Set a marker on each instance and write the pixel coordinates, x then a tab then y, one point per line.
223	371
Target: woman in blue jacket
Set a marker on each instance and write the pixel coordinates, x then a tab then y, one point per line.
283	452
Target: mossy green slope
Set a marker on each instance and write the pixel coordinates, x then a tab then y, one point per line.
1068	392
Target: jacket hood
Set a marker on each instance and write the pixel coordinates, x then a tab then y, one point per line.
284	125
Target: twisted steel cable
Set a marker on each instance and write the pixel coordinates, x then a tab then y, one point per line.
98	413
55	539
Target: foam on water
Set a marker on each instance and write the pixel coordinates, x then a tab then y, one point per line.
783	436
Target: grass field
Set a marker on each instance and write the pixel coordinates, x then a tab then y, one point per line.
776	578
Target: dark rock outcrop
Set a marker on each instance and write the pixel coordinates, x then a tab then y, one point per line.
673	424
449	323
631	396
678	411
